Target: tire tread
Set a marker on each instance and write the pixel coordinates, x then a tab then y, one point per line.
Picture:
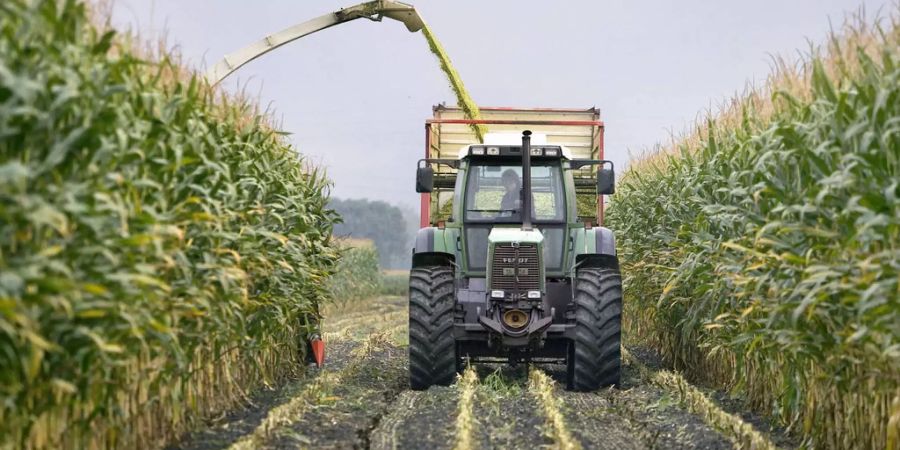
432	348
596	360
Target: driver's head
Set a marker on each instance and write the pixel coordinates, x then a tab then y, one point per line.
510	180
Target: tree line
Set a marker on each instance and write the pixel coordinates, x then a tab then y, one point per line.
390	227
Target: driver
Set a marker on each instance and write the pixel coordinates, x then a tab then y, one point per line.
512	199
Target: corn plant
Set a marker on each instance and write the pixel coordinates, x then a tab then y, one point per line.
162	249
357	275
395	282
763	252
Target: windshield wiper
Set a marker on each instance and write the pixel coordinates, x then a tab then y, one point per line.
492	210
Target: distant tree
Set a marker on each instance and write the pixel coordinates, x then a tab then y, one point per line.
379	221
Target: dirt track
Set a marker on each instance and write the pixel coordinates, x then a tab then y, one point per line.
361	399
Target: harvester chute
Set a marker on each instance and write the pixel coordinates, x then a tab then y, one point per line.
374	10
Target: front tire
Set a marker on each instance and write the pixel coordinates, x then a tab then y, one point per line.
432	348
594	357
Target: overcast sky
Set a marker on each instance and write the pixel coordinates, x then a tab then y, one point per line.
356	96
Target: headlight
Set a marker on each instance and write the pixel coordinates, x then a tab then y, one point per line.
497	294
493	151
477	151
534	294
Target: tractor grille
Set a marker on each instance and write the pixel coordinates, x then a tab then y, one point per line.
522	268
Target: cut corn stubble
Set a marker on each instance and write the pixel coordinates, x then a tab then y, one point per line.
540	386
283	414
742	434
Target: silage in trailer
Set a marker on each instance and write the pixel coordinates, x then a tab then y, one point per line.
161	250
763	252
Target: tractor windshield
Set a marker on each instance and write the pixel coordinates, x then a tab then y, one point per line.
493	192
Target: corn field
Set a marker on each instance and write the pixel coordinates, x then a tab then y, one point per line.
762	252
161	249
357	276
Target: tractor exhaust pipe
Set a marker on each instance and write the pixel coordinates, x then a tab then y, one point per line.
526	180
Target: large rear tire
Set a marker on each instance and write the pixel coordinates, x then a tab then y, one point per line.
594	358
432	348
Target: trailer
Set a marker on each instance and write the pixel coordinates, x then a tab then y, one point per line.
579	130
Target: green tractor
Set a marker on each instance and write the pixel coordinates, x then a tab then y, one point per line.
513	276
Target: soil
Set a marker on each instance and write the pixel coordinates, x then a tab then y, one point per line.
371	406
508	417
729	403
428	422
348	412
733	405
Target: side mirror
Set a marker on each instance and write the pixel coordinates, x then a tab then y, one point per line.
424	179
606	181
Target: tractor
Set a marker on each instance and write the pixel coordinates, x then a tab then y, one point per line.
513	276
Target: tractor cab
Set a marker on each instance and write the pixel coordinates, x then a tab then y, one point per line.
493	203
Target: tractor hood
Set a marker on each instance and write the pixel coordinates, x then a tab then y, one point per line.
515	263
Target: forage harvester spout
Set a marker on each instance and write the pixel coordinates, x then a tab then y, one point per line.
404	13
374	10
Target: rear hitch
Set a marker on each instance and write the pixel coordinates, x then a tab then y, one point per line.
517	337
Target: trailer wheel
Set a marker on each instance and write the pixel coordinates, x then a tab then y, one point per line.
594	357
432	348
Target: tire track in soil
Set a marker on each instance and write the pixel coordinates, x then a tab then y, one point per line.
228	428
662	423
508	417
385	435
370	406
419	420
594	423
501	415
592	419
347	412
279	421
636	415
426	419
742	434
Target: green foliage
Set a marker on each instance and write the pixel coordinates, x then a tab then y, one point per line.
160	251
358	276
587	207
503	385
395	283
379	221
445	212
768	258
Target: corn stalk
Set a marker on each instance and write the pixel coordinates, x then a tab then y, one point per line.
762	252
161	249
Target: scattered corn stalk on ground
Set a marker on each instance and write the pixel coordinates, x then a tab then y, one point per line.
361	399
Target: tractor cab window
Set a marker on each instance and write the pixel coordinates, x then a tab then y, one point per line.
493	192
